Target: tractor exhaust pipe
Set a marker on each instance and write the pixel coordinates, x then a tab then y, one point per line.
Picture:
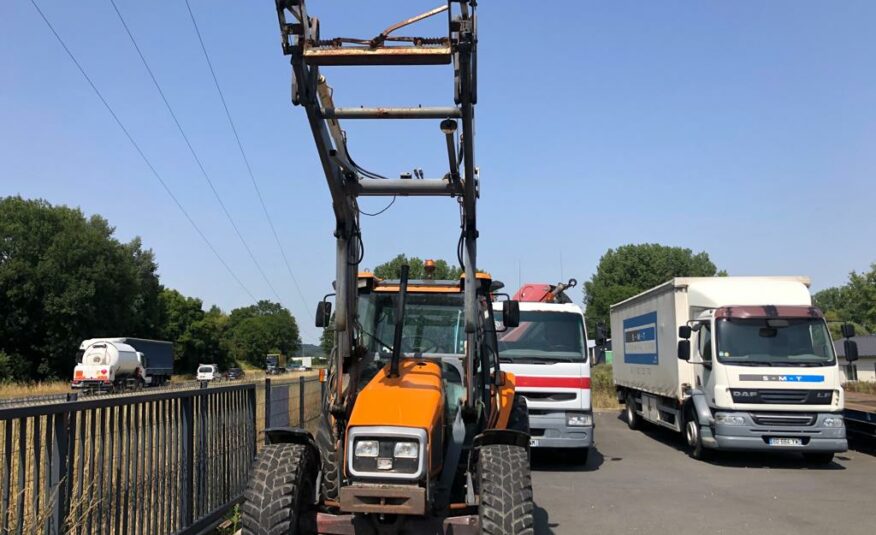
399	321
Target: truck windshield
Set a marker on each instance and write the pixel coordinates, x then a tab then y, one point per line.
544	335
434	323
774	342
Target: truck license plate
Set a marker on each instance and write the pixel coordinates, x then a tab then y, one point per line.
533	442
781	441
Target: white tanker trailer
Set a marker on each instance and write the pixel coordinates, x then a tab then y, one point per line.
111	364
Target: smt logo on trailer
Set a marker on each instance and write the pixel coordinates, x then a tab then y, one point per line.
640	339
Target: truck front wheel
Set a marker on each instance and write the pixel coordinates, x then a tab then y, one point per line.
280	493
694	437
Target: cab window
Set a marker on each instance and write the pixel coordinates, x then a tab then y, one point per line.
705	342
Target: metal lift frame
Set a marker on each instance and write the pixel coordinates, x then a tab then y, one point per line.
301	40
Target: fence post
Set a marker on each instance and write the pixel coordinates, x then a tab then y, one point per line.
267	406
188	483
301	402
251	420
60	465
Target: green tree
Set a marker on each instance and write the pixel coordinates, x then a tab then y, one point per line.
853	302
263	328
327	340
64	278
632	269
204	341
392	269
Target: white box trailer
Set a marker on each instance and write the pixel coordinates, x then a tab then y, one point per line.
762	374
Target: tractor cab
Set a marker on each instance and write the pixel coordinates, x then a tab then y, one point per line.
433	329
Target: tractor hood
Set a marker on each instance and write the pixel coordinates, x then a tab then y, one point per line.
413	399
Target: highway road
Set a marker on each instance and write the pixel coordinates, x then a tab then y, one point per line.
644	482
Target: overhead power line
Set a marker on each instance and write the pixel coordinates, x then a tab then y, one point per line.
245	158
192	151
136	146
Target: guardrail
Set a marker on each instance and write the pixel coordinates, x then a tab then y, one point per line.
165	462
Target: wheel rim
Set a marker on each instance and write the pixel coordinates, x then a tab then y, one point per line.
631	413
691	432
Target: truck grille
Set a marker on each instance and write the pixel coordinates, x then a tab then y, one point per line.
782	396
783	419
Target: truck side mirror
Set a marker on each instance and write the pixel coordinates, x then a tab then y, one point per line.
510	313
684	332
601	334
323	313
850	348
848	330
684	350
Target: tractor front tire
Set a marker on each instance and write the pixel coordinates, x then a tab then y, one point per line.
329	452
505	491
279	497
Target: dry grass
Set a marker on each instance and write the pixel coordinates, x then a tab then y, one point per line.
864	387
14	390
602	393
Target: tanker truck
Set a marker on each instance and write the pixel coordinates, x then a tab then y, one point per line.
114	364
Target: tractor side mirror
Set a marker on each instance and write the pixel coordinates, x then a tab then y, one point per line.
684	332
684	350
601	334
323	313
510	313
850	348
848	330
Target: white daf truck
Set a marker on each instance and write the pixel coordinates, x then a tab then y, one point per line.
547	353
734	363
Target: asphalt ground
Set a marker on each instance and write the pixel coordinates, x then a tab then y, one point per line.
644	482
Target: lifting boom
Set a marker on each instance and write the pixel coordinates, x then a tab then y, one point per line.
301	40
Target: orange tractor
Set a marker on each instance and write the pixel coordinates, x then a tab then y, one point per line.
420	431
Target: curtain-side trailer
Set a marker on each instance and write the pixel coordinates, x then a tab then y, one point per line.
734	363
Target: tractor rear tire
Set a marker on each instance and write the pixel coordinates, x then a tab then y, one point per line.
329	452
505	488
279	497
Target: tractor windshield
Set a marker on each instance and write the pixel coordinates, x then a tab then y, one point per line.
434	323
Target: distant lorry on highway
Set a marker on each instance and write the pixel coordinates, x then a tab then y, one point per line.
547	353
275	364
300	364
734	363
112	364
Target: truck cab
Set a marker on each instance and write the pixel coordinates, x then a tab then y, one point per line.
547	353
765	369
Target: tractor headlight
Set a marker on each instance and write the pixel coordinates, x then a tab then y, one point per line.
406	450
367	448
387	452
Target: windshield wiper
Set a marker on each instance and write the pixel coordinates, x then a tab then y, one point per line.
748	363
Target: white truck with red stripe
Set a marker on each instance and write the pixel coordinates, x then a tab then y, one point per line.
547	353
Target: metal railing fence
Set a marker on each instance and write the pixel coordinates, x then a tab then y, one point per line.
166	462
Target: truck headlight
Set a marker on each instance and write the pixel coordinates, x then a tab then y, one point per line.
729	419
579	419
406	450
833	421
367	448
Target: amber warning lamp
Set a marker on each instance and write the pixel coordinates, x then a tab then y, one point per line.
429	268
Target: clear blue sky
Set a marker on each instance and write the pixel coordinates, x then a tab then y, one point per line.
746	129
